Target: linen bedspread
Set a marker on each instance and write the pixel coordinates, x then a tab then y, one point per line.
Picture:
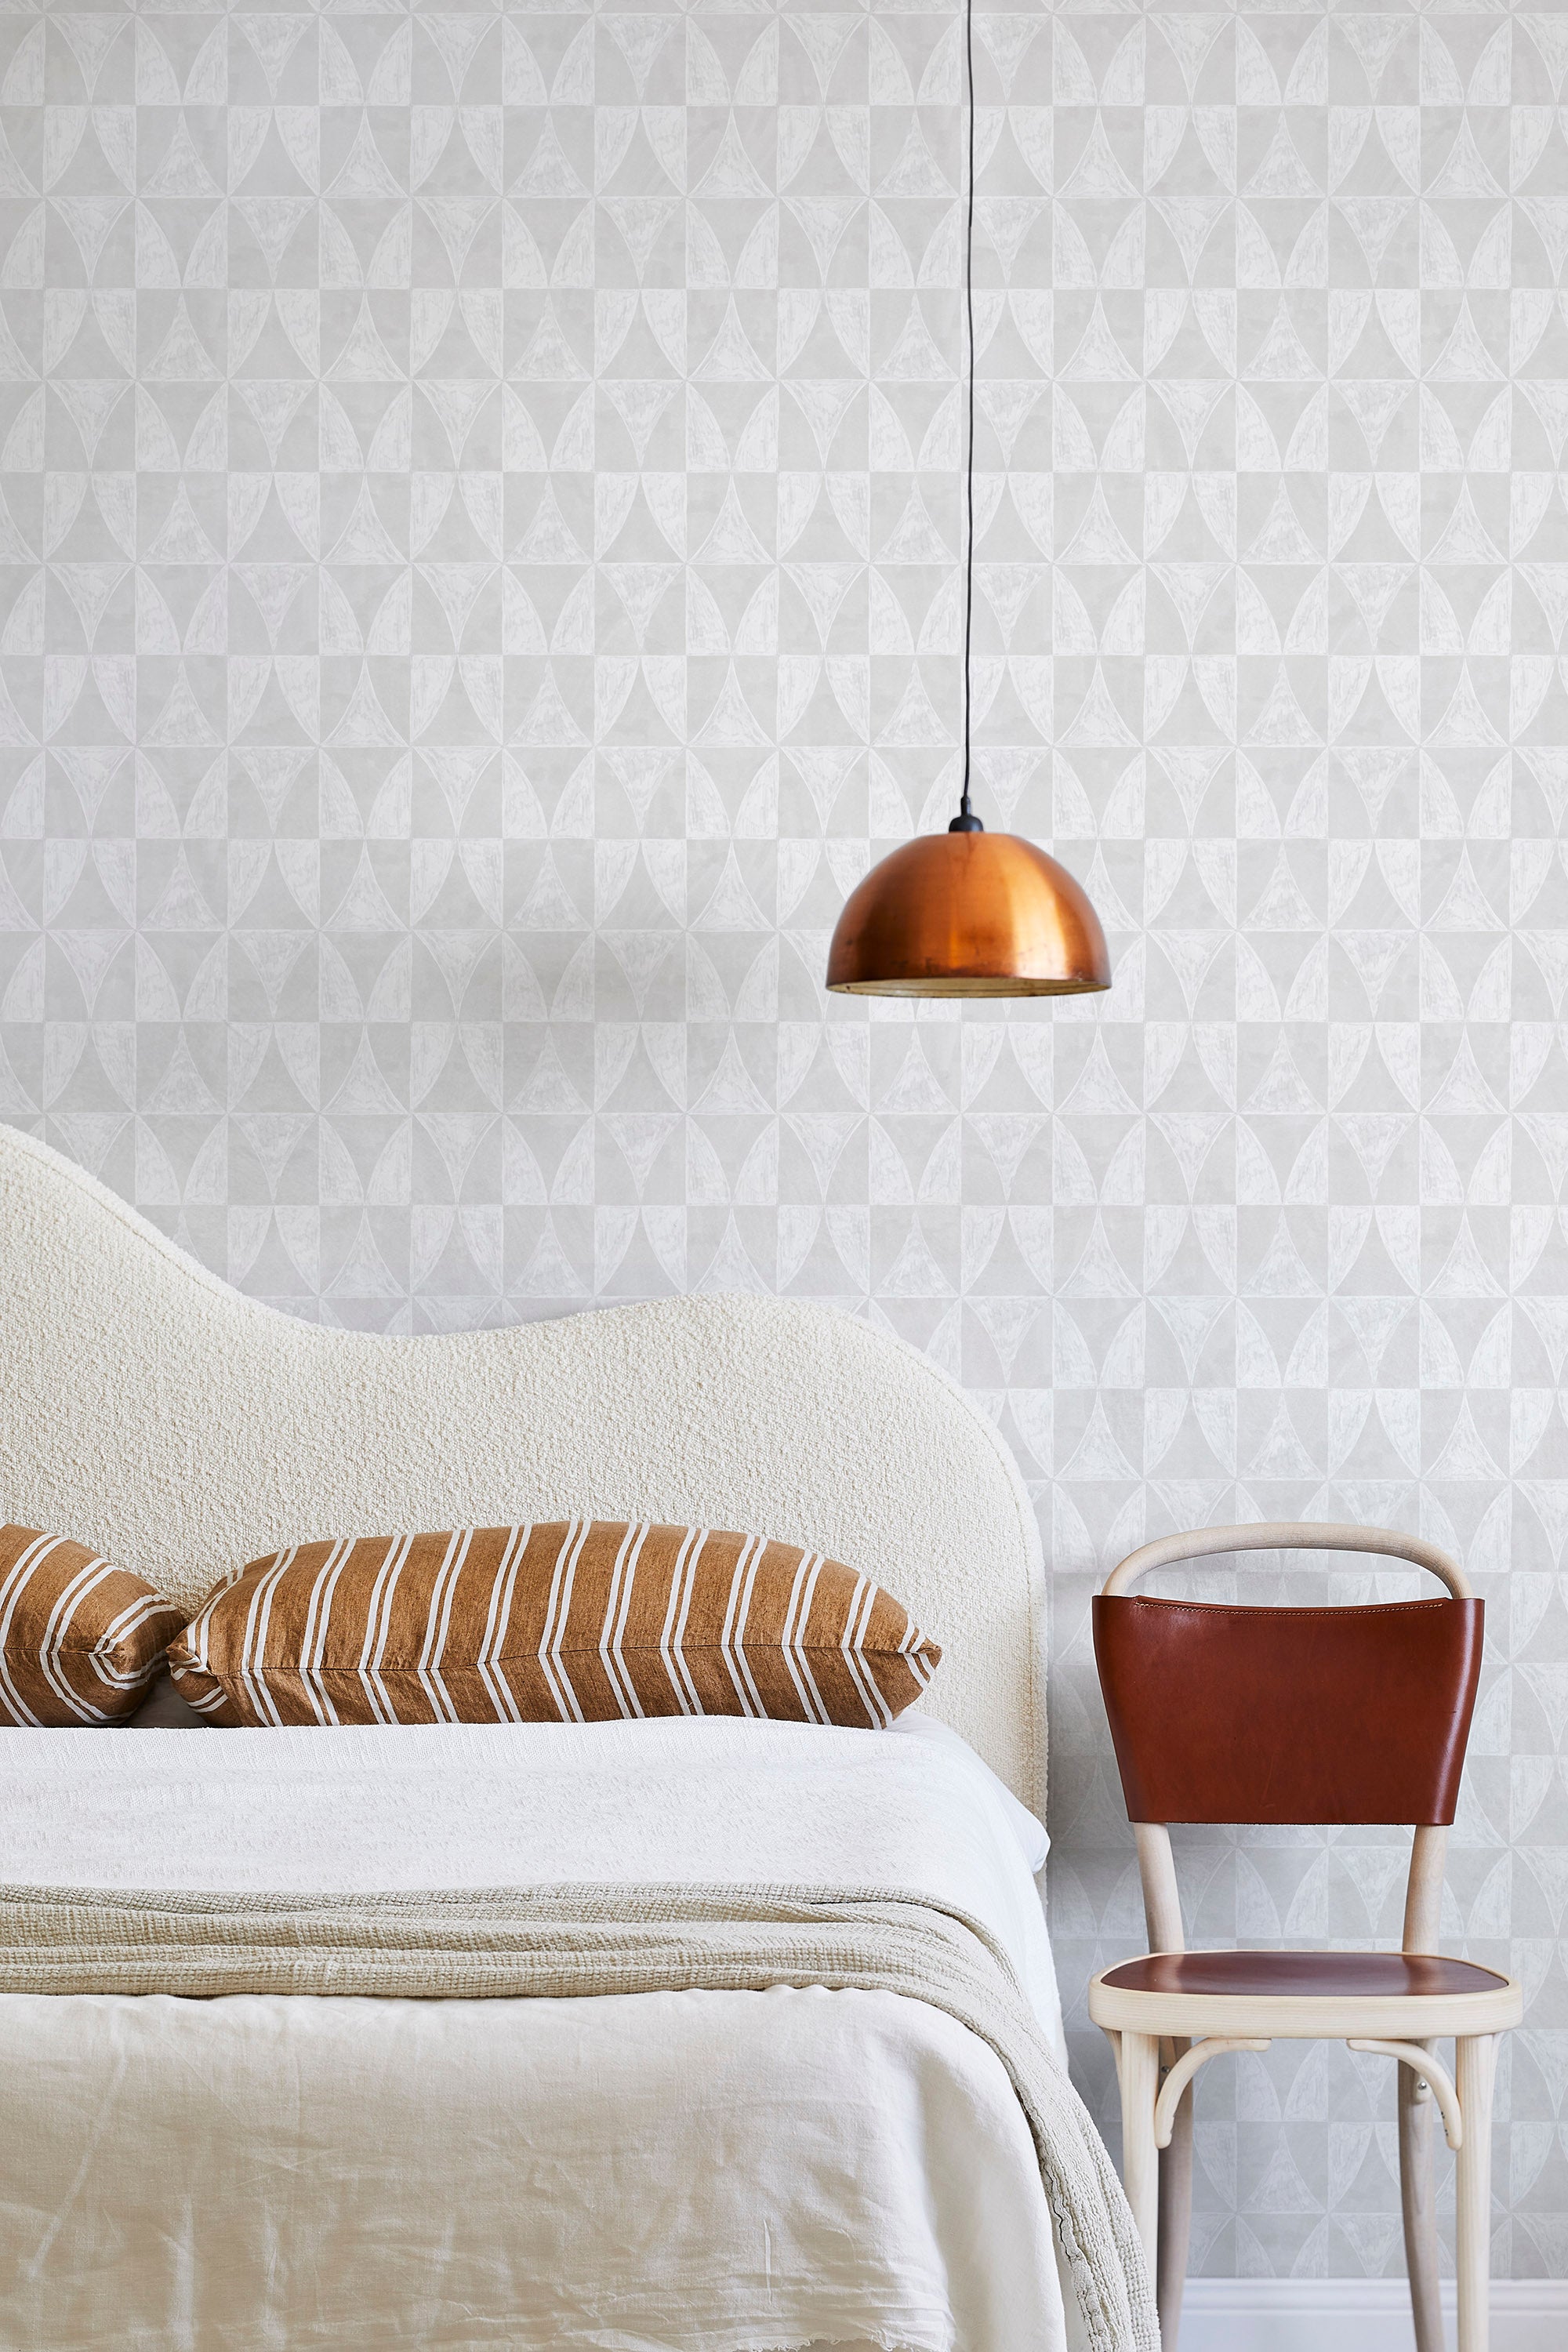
595	1941
660	2171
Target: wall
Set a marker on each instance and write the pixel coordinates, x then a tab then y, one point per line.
480	503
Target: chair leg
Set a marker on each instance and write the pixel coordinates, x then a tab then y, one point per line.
1476	2056
1140	2157
1176	2221
1417	2116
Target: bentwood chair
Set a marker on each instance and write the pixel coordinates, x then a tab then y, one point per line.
1273	1716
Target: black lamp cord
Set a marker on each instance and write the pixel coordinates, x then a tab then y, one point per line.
966	821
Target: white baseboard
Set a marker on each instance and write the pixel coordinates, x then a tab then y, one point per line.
1356	2315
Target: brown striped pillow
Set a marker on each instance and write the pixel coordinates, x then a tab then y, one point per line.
579	1621
79	1640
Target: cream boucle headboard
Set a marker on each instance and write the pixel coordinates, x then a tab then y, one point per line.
152	1410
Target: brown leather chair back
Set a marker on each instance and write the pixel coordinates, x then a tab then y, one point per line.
1224	1714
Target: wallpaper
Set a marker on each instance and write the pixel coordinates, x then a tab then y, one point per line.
480	503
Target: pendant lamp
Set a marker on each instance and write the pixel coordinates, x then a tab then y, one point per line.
967	912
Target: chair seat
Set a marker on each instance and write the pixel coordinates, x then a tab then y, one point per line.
1303	1994
1305	1975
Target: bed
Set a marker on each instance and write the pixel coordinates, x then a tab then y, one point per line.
706	2169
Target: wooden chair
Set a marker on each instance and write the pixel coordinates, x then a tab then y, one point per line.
1225	1714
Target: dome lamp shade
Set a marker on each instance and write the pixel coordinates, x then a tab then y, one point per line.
968	913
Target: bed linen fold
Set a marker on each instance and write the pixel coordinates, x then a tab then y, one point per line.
560	1942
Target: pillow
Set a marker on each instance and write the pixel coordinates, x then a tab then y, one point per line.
1027	1827
79	1641
579	1621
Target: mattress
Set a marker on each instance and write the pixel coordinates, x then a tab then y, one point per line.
690	2172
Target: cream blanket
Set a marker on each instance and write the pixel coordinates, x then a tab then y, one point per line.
554	1942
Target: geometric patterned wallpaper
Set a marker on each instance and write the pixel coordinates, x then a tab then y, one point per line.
479	495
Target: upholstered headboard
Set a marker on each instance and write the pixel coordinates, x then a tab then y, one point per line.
181	1428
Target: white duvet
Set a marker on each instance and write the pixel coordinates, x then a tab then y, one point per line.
694	2173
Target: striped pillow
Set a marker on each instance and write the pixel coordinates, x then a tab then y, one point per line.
579	1621
79	1641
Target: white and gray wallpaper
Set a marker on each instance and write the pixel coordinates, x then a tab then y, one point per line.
479	501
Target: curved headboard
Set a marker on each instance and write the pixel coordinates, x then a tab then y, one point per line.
150	1410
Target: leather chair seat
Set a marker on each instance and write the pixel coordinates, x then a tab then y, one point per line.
1304	1995
1305	1975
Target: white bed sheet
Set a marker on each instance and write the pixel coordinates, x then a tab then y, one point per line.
694	2173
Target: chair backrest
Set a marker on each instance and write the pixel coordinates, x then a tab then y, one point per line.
1284	1715
1264	1715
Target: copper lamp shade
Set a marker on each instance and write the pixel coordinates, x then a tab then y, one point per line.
968	914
